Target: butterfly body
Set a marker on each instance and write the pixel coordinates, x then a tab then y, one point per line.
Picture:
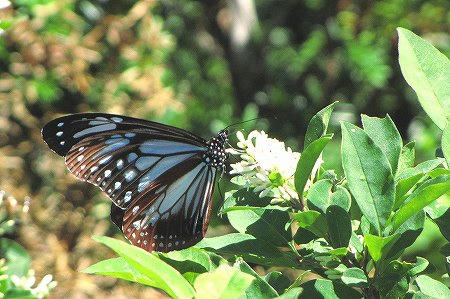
160	178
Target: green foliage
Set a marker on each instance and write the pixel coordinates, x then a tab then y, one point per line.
351	232
16	277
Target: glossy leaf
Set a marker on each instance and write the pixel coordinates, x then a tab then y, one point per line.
313	221
379	246
251	249
320	196
307	161
420	266
263	223
354	277
407	156
408	231
339	226
427	71
259	288
368	174
164	276
421	198
391	281
224	282
386	136
443	223
277	280
318	125
189	262
445	143
119	268
409	177
293	293
431	287
324	288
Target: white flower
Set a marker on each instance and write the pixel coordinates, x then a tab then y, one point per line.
27	282
267	165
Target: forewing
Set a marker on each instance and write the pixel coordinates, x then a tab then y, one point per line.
120	155
175	214
64	132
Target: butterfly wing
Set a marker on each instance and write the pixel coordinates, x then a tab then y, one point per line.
155	174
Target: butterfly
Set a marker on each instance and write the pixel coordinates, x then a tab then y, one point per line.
160	178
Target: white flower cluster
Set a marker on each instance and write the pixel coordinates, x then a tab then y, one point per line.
27	282
267	165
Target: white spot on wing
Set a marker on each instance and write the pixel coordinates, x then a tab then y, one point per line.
117	185
60	125
129	175
59	134
135	210
116	119
105	160
127	196
107	173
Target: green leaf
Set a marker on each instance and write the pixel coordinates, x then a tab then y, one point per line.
421	198
119	268
293	293
19	294
408	178
251	249
407	156
445	144
427	71
264	223
391	281
277	280
354	277
326	289
189	262
318	125
386	136
355	242
259	288
339	226
243	197
420	266
224	282
17	259
164	276
320	196
303	236
408	231
368	174
379	246
431	287
443	223
313	221
307	161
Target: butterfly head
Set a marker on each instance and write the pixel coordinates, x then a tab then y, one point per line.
222	136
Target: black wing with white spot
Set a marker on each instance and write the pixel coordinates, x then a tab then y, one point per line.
160	178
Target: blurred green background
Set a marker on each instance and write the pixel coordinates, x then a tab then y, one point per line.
200	65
